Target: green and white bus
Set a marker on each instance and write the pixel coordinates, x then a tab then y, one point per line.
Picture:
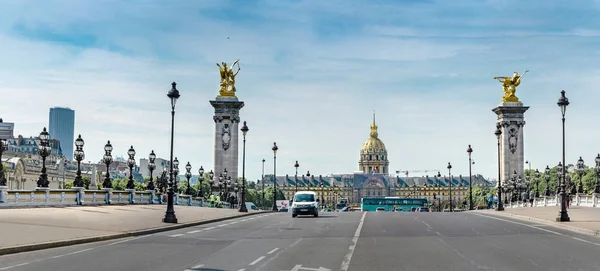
388	204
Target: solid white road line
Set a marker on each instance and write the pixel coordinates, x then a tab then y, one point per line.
346	263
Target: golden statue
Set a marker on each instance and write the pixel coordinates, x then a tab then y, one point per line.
227	85
510	84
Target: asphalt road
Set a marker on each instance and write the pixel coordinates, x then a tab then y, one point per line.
333	241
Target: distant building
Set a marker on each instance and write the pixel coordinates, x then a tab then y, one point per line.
161	164
62	128
6	130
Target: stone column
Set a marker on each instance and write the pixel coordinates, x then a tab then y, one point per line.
511	120
226	119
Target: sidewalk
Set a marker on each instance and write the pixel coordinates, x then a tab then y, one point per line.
584	220
28	229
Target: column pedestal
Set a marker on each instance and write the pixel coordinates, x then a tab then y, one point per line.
511	121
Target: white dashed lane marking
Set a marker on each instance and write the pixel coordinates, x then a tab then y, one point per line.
218	226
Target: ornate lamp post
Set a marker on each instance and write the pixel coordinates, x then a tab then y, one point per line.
469	151
151	168
547	176
597	186
308	179
262	180
201	179
131	164
107	159
79	156
500	207
449	167
188	175
44	151
296	165
439	196
243	207
170	217
222	180
3	147
563	102
580	170
175	175
211	177
275	148
537	183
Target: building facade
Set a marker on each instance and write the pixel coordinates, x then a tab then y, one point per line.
374	180
6	129
62	128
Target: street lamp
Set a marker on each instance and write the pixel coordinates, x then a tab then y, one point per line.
188	175
3	147
547	176
469	151
107	159
597	187
44	151
275	148
131	164
296	165
563	102
580	170
439	175
170	217
211	178
151	168
243	207
262	180
79	155
201	179
449	167
176	175
498	133
537	183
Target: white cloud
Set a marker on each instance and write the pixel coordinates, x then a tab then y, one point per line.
310	91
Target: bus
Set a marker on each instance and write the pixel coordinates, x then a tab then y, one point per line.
388	203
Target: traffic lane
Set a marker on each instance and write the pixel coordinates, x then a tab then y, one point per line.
305	241
462	241
150	251
522	246
320	243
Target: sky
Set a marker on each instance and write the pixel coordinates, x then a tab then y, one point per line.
312	72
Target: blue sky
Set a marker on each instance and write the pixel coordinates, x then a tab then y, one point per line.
312	73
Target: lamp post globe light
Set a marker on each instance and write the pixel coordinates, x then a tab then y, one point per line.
200	180
296	165
580	170
449	167
170	217
220	184
44	151
563	102
537	183
175	175
79	156
3	147
107	159
439	196
131	164
275	148
469	151
151	168
597	169
262	181
243	207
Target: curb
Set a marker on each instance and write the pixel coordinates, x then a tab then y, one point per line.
549	223
84	240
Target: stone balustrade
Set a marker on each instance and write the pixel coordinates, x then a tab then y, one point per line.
583	200
80	196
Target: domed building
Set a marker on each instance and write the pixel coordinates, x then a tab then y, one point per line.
373	154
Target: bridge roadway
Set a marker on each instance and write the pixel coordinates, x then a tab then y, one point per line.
333	241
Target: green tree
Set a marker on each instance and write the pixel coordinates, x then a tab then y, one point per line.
119	184
68	185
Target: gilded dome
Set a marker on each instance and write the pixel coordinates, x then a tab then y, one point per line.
373	144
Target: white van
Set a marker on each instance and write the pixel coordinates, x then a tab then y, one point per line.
305	203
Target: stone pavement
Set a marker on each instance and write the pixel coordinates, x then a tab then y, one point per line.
29	229
585	220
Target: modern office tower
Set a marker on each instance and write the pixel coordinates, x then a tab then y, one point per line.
62	127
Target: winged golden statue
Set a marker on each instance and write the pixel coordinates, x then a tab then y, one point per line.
510	84
227	85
